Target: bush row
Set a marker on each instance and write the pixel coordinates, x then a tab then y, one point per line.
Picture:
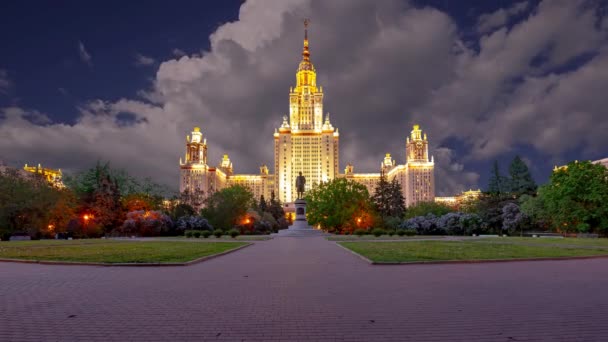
207	233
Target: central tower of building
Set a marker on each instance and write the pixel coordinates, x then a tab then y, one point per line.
305	142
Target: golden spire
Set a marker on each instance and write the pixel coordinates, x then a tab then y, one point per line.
305	52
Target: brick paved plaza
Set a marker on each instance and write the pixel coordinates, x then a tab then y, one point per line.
305	289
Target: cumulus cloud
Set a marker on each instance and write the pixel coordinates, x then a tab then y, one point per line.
490	21
536	83
5	82
514	90
85	56
178	52
450	174
141	60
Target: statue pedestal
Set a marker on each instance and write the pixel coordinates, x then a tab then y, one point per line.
300	205
300	226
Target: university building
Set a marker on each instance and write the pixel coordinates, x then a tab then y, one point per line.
307	142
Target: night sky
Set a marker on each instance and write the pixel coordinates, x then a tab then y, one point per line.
126	81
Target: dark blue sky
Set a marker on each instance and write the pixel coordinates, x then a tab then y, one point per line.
41	39
40	56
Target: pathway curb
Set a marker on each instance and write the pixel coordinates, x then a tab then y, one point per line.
108	264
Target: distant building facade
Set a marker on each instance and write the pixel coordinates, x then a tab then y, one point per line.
53	176
464	198
307	142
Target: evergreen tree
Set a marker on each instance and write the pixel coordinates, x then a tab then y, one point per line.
496	183
263	206
275	208
521	181
397	201
381	196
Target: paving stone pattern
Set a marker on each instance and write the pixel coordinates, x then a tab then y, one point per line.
305	289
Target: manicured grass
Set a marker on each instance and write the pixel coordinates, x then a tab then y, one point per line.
552	241
51	242
381	237
228	237
115	251
458	250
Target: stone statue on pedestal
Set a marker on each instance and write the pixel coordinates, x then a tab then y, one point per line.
300	183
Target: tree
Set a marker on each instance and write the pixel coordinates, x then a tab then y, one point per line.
339	205
489	208
105	204
182	210
536	211
425	208
263	206
29	204
497	183
226	208
139	201
193	197
576	197
521	181
388	198
275	208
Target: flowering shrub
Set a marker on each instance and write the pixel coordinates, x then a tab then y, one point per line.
424	225
144	223
193	223
512	218
451	223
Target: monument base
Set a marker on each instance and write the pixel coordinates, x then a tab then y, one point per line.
300	226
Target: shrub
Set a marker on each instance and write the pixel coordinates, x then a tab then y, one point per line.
218	233
189	233
206	233
360	232
392	222
409	232
471	223
144	223
424	225
233	233
451	223
197	234
401	232
378	231
391	232
193	223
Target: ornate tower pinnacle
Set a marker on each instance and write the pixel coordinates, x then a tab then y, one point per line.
305	52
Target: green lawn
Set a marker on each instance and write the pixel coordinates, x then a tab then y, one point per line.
226	237
601	242
381	237
403	251
109	251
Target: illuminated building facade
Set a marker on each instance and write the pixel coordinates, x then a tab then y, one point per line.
465	198
603	162
53	176
307	142
416	176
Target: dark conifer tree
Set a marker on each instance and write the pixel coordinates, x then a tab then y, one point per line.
521	181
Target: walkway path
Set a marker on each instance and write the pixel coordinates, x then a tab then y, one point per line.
305	289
